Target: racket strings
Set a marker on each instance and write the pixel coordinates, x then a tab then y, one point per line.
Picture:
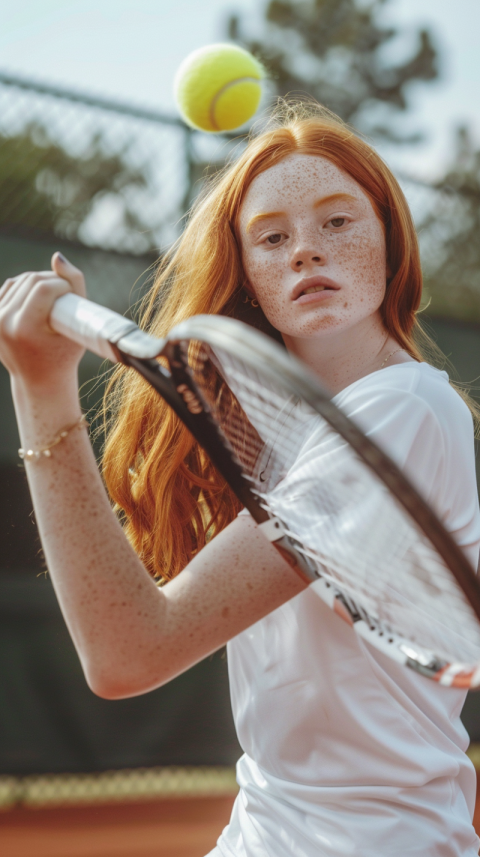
335	509
241	435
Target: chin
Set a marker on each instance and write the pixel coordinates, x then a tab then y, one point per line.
318	326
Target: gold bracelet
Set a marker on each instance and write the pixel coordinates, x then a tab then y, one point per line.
46	451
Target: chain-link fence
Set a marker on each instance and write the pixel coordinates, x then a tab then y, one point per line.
119	177
96	171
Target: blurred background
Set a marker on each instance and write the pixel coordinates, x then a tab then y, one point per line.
95	162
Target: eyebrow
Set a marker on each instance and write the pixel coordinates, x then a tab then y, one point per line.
335	197
259	217
325	200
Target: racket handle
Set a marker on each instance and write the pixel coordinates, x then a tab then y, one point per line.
98	329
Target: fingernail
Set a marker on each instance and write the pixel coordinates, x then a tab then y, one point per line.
61	258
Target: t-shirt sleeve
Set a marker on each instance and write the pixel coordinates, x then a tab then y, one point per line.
429	434
423	425
407	429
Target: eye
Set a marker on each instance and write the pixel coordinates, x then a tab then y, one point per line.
275	238
337	222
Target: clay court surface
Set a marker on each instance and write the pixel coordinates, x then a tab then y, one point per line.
182	827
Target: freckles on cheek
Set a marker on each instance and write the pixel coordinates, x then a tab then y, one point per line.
372	261
265	281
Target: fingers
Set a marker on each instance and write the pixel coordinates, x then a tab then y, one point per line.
38	297
13	284
63	268
37	291
16	290
29	348
26	304
6	287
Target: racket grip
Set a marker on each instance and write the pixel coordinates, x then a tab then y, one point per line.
98	329
89	324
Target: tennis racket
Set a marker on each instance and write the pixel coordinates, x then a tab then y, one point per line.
316	485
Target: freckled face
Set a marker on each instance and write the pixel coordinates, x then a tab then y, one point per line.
313	248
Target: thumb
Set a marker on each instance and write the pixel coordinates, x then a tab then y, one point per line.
66	271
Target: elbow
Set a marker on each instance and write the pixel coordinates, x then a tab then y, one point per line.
112	685
108	689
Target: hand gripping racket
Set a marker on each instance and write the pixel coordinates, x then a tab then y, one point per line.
317	486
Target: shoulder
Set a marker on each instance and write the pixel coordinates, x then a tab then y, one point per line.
413	413
414	394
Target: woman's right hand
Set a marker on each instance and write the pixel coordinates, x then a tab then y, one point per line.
36	356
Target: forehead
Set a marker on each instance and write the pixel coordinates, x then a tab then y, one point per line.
297	179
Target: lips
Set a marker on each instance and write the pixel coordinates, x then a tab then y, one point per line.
312	285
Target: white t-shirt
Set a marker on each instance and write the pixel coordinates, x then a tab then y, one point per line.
345	751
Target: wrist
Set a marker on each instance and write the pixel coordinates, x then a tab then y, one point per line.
45	395
43	413
46	451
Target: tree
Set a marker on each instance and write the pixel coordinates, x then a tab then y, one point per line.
337	52
46	190
449	236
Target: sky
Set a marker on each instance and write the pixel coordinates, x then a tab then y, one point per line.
130	50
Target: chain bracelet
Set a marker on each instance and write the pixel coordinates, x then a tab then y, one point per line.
46	451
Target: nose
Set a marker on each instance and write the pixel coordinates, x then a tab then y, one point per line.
306	256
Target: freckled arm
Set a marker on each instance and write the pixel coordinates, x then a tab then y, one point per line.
130	635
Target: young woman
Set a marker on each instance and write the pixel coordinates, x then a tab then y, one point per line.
345	752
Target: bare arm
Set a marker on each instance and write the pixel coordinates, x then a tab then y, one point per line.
130	635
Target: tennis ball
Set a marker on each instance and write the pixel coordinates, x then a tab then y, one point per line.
218	87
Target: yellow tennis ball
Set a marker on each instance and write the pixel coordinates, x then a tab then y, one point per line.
218	87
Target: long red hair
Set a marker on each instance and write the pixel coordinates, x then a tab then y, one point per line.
169	495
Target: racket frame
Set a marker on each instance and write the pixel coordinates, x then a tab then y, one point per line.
283	368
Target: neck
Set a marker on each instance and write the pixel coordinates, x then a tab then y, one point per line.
340	358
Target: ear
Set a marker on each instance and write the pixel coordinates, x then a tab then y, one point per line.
248	288
242	310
